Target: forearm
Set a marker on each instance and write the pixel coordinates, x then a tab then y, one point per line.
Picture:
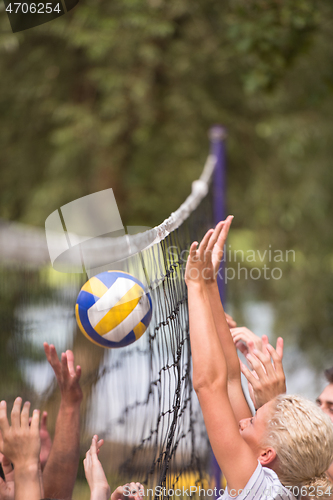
60	471
100	494
209	366
223	332
235	392
27	482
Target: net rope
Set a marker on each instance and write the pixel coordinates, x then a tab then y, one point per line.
27	245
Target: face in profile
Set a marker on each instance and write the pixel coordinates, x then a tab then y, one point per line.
325	401
253	430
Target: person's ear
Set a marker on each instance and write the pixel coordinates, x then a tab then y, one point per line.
267	456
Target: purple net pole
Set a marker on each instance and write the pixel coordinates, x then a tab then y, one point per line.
217	135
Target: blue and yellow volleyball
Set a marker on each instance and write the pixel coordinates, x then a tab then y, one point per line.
113	309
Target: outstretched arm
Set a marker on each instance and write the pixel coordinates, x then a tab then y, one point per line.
20	443
215	248
234	456
61	468
265	380
98	484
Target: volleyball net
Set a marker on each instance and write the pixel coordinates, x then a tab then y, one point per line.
138	398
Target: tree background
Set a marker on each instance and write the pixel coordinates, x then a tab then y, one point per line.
122	93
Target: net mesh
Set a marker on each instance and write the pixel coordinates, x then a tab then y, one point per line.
139	398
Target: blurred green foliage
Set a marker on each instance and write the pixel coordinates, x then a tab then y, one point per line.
121	94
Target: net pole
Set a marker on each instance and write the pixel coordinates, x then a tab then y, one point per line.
217	135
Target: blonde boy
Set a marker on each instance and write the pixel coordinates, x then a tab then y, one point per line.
288	444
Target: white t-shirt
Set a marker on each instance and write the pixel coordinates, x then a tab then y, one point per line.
263	484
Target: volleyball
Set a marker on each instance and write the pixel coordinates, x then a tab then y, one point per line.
113	309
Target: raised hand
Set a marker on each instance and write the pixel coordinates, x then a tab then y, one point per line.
204	261
267	380
19	442
98	484
60	471
130	491
67	376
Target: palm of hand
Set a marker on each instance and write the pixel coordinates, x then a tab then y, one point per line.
68	377
18	446
203	263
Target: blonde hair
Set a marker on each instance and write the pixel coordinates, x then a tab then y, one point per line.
302	436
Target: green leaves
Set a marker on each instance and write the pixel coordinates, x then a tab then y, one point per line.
268	36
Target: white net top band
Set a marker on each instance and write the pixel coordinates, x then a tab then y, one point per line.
25	245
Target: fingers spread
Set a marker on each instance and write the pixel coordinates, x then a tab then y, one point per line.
256	364
265	360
